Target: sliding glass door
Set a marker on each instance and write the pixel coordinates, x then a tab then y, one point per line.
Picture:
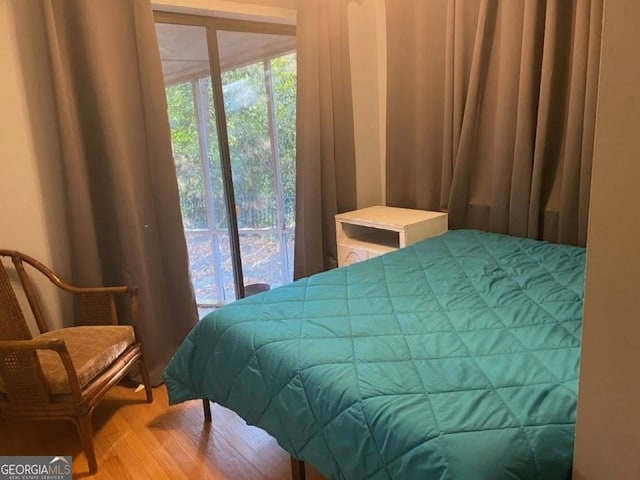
234	149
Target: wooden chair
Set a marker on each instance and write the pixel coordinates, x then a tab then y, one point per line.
64	373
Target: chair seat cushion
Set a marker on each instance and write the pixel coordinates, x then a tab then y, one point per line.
92	349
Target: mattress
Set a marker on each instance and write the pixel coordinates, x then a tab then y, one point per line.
454	358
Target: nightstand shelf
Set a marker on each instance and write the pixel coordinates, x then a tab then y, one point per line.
373	231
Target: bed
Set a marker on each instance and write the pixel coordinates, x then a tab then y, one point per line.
454	358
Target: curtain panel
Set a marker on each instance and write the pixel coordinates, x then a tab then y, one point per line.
491	112
325	158
122	202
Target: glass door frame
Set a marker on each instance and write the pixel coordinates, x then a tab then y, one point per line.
212	25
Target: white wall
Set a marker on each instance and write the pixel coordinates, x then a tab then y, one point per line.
22	213
608	427
31	215
367	49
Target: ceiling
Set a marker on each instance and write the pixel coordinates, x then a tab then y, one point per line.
184	54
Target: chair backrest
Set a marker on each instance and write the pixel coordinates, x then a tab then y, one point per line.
13	325
94	306
19	260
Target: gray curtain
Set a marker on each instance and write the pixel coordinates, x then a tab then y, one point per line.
491	112
325	163
122	198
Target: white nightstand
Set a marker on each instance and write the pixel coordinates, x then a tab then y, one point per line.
372	231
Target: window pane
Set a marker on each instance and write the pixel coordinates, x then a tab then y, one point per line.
261	259
186	154
290	249
245	103
259	90
258	82
228	288
185	66
284	95
217	200
203	275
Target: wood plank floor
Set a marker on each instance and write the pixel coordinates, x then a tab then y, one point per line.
136	440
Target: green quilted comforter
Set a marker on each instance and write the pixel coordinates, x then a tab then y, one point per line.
455	358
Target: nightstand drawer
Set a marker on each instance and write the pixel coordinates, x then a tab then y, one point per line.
349	254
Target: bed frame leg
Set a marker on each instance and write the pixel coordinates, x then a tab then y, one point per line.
206	408
297	466
297	469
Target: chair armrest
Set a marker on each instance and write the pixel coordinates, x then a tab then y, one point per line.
20	365
114	290
36	344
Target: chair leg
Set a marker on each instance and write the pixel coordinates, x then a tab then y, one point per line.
144	373
85	430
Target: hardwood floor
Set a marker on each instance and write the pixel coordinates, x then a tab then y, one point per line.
136	440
